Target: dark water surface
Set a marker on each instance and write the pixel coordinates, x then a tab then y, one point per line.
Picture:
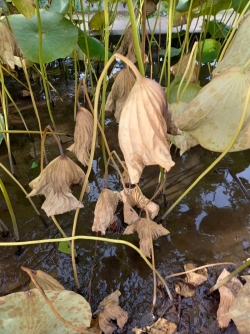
211	224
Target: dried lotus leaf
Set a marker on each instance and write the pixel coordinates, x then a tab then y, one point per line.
83	136
121	88
150	7
180	68
142	129
45	281
104	210
196	278
111	311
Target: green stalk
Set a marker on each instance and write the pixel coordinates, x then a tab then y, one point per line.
43	71
12	215
135	36
243	116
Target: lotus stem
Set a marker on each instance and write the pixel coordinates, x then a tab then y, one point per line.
228	277
35	132
12	215
241	122
83	237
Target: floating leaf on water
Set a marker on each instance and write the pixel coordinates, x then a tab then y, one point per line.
97	21
227	295
27	312
143	129
111	311
184	288
83	136
9	46
210	49
56	187
180	67
161	326
141	227
63	247
212	118
34	165
59	35
240	308
189	94
196	278
104	210
121	88
25	7
238	52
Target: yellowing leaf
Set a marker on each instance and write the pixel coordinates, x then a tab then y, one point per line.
104	210
97	21
212	118
25	7
142	128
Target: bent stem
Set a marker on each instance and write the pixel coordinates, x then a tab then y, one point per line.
12	215
243	116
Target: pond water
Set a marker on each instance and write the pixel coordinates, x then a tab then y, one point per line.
211	224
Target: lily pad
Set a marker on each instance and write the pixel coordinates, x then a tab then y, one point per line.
27	312
210	50
25	7
59	35
64	247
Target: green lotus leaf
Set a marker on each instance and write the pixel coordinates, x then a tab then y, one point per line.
64	247
210	50
59	6
95	48
218	29
59	35
97	21
27	312
239	5
189	94
174	52
212	7
25	7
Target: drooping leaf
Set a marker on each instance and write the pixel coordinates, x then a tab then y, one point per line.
210	49
59	6
2	127
95	48
189	94
238	52
240	308
59	35
111	311
150	7
27	312
212	118
45	281
25	7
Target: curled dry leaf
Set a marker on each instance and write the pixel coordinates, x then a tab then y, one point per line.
111	311
141	227
150	7
213	116
56	186
184	288
180	67
227	295
83	136
104	210
121	88
196	278
161	326
132	197
9	46
240	308
45	281
142	128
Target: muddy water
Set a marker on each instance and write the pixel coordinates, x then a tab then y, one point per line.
211	224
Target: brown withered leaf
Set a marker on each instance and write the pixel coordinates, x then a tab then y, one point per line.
121	88
55	183
141	227
184	288
161	326
9	46
104	210
45	281
196	277
150	7
132	197
111	311
142	128
240	308
227	295
83	136
180	68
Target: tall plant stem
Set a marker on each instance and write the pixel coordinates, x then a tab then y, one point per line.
135	36
83	237
43	71
12	215
6	120
243	116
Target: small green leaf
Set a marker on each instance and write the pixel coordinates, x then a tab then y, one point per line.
59	6
25	7
190	92
34	165
2	127
96	49
174	52
210	50
64	247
